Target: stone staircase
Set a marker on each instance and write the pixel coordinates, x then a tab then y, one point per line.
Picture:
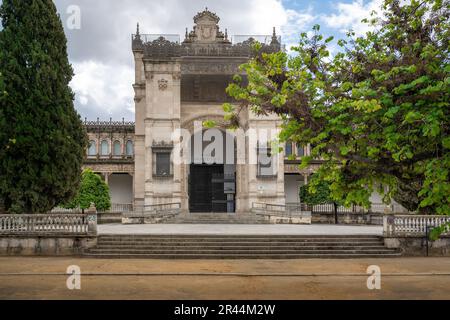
216	218
239	247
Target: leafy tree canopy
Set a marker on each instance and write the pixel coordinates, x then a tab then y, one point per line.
377	112
317	192
42	139
92	190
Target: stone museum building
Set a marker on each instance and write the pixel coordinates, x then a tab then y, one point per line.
179	84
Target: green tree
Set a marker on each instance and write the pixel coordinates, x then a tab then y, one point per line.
92	190
42	138
377	112
2	88
318	192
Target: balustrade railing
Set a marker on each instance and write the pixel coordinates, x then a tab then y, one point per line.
329	208
289	209
115	208
120	208
156	208
32	224
413	225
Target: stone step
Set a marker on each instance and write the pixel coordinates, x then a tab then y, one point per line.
236	251
211	218
217	222
242	256
247	244
237	236
200	248
234	240
239	246
238	243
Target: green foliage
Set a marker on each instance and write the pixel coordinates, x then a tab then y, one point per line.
42	140
377	112
314	194
2	87
92	190
437	232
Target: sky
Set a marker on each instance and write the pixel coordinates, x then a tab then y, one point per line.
99	36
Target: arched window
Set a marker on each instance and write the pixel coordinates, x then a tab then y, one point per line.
130	148
117	148
288	149
300	150
104	148
92	151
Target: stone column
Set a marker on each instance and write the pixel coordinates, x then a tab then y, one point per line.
107	174
92	219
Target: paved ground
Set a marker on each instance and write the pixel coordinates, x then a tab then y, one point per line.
402	278
240	229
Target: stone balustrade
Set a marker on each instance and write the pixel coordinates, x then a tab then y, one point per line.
48	224
413	225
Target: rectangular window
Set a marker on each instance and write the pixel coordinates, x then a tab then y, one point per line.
163	164
266	163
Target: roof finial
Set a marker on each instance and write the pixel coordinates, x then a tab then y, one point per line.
275	41
137	29
226	34
187	34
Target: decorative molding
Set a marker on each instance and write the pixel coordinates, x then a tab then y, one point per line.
230	68
162	146
163	84
176	76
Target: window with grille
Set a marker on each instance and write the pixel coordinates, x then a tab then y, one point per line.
266	163
163	164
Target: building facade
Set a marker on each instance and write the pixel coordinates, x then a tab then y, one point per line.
179	85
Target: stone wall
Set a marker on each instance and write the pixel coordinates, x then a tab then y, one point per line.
417	246
348	218
50	245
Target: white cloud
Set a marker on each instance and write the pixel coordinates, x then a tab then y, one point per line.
101	51
297	22
349	16
107	87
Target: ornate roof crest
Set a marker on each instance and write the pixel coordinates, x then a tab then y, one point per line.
206	13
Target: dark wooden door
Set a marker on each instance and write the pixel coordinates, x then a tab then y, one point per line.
202	191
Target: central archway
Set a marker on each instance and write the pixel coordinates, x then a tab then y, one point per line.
212	172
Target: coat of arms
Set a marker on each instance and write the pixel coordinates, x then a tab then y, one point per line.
206	32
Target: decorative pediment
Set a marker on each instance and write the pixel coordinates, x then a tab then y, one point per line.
206	15
206	29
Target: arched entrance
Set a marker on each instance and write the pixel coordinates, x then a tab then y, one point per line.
212	172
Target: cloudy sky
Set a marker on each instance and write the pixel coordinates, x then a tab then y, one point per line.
100	50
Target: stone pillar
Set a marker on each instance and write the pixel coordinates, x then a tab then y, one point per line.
107	174
162	118
92	219
268	189
140	155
